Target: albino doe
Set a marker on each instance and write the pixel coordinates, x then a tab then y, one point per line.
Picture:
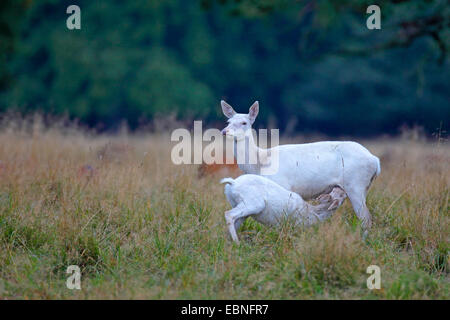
269	203
308	169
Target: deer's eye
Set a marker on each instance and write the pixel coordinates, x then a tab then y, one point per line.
244	123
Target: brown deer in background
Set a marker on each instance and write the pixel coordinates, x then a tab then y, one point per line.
222	169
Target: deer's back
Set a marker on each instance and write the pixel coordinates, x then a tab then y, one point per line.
314	168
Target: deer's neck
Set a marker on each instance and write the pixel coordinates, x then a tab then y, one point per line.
302	213
248	154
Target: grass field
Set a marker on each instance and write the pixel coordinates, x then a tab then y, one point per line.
140	227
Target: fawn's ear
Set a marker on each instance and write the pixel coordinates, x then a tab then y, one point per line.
253	111
227	109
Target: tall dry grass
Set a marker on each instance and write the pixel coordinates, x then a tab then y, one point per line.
140	227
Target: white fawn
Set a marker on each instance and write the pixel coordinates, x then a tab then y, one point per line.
270	204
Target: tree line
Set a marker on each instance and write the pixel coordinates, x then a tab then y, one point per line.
313	65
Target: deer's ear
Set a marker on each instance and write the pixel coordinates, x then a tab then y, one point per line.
253	112
227	109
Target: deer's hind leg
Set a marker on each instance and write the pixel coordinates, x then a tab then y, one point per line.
357	197
238	214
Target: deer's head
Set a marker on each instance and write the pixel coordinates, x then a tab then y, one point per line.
239	124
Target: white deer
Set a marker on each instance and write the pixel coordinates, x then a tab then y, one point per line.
309	169
270	204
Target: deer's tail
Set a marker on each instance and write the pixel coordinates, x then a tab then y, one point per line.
377	172
378	167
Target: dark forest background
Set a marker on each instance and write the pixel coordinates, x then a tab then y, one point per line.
313	64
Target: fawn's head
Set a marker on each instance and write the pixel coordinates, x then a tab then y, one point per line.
239	124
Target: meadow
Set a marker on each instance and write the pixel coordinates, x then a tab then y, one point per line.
140	227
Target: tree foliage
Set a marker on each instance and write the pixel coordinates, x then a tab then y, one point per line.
313	65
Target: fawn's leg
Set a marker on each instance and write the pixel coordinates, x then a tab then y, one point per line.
237	215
